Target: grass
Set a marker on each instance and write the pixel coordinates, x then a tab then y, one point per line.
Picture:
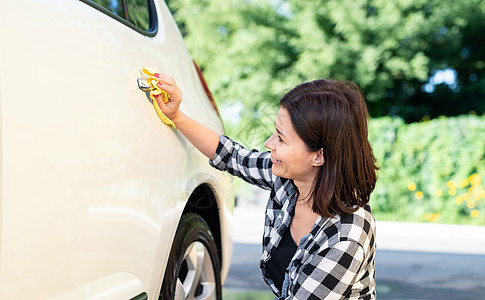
229	294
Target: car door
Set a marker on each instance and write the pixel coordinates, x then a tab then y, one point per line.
91	177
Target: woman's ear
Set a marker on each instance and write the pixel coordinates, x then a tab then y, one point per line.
318	159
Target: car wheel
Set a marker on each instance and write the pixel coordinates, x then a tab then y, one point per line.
193	268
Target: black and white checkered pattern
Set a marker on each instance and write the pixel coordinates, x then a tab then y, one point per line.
335	261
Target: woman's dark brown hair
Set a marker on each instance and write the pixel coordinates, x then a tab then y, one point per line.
332	115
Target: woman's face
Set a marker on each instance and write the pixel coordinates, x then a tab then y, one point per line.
289	154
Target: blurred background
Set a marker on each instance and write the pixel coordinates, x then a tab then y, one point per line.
420	64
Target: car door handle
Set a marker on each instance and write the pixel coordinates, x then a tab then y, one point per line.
143	84
150	86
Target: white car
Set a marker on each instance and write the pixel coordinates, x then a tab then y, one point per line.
100	199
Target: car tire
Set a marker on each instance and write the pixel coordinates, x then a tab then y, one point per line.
193	268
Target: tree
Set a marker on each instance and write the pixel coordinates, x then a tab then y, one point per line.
244	50
252	51
392	49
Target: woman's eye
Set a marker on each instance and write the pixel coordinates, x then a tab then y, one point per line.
280	139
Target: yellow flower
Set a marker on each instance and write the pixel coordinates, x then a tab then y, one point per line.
452	192
467	197
482	194
418	195
470	204
475	179
474	213
432	217
451	184
412	186
458	200
463	183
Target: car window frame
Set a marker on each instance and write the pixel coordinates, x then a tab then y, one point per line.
152	14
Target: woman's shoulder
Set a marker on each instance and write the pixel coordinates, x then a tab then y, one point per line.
359	226
358	217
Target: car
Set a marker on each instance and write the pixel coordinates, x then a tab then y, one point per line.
99	198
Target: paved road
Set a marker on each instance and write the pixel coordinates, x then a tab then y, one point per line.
399	274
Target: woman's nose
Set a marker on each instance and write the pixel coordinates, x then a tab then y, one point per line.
269	143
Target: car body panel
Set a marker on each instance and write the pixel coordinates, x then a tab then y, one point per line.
93	184
113	287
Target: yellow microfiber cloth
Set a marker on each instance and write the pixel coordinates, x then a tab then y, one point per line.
154	90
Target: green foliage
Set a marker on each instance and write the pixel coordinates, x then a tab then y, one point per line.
242	47
247	295
430	170
252	51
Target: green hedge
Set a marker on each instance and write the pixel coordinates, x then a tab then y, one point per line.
431	171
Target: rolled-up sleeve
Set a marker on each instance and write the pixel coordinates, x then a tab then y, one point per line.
251	165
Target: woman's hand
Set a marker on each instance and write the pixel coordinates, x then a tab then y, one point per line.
171	108
202	137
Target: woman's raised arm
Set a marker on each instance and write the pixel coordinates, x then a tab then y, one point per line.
202	137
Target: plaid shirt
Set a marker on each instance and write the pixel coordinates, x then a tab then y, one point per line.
334	261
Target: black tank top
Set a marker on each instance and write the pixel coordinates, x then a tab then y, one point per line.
281	258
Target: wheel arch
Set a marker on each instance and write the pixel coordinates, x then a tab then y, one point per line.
203	201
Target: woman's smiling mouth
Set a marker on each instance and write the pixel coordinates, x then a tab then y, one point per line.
275	161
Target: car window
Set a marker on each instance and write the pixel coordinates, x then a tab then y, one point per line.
139	13
114	6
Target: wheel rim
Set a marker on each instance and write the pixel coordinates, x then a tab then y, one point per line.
196	278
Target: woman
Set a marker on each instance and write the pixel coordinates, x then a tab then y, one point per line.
319	233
